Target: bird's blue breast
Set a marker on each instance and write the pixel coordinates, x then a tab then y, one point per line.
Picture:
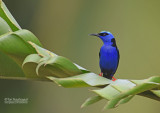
109	58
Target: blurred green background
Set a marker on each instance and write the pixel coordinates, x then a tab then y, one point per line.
63	27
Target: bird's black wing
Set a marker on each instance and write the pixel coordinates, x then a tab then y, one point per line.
114	45
118	57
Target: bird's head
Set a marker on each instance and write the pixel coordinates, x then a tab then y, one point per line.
105	36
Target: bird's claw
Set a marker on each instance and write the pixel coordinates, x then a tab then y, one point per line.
114	79
101	74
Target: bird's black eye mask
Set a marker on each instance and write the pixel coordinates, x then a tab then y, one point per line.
103	34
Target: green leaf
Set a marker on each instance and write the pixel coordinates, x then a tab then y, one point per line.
4	27
41	51
156	92
64	65
69	83
91	100
147	84
108	92
35	58
82	80
8	68
15	43
127	99
6	15
58	66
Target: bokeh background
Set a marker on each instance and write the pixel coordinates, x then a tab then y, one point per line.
63	26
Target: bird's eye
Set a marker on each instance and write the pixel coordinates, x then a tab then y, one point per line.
103	34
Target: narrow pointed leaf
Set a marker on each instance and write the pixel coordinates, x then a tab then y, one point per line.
41	51
127	99
69	82
91	100
6	15
38	66
35	58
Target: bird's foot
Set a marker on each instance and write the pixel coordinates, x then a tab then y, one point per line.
101	74
114	79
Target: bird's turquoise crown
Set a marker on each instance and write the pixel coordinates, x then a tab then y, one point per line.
105	32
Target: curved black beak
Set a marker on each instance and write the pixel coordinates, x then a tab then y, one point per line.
94	34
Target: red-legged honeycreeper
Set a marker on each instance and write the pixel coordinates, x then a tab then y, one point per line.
109	55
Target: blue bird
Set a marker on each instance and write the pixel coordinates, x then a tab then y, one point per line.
109	55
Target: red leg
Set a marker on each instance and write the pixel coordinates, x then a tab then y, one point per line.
101	74
114	79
